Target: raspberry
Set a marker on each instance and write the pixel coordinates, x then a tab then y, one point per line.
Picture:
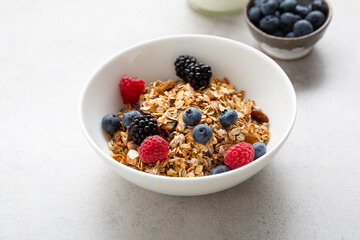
153	149
131	89
239	155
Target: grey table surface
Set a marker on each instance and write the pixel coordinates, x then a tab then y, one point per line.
53	185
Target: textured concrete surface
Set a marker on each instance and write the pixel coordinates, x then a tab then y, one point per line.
53	186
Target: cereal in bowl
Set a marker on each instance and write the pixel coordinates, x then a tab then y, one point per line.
197	126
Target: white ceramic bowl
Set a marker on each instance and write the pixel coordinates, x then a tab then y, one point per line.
247	68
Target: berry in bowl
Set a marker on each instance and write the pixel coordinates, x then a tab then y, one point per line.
181	130
184	128
288	29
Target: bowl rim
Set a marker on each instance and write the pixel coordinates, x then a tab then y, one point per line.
177	179
320	29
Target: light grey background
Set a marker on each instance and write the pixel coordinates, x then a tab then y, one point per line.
53	186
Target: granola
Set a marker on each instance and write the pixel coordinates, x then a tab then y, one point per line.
166	101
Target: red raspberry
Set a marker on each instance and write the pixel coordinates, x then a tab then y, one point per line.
153	149
239	155
131	89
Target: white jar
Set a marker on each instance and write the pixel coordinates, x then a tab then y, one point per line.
217	6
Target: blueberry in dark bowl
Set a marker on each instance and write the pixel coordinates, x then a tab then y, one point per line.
302	10
290	35
288	5
269	7
316	18
255	15
287	21
302	27
278	33
257	3
319	5
269	24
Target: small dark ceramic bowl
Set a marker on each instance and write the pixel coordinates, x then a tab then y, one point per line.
287	48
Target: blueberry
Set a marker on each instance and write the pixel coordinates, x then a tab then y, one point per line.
277	14
260	149
269	7
301	10
316	18
202	133
288	5
219	169
111	123
290	35
257	3
269	24
319	5
287	21
302	27
191	116
128	117
254	14
278	33
228	117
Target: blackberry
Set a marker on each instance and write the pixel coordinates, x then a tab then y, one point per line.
142	127
181	63
198	75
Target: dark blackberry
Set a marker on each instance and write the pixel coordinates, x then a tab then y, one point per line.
198	75
181	63
142	127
